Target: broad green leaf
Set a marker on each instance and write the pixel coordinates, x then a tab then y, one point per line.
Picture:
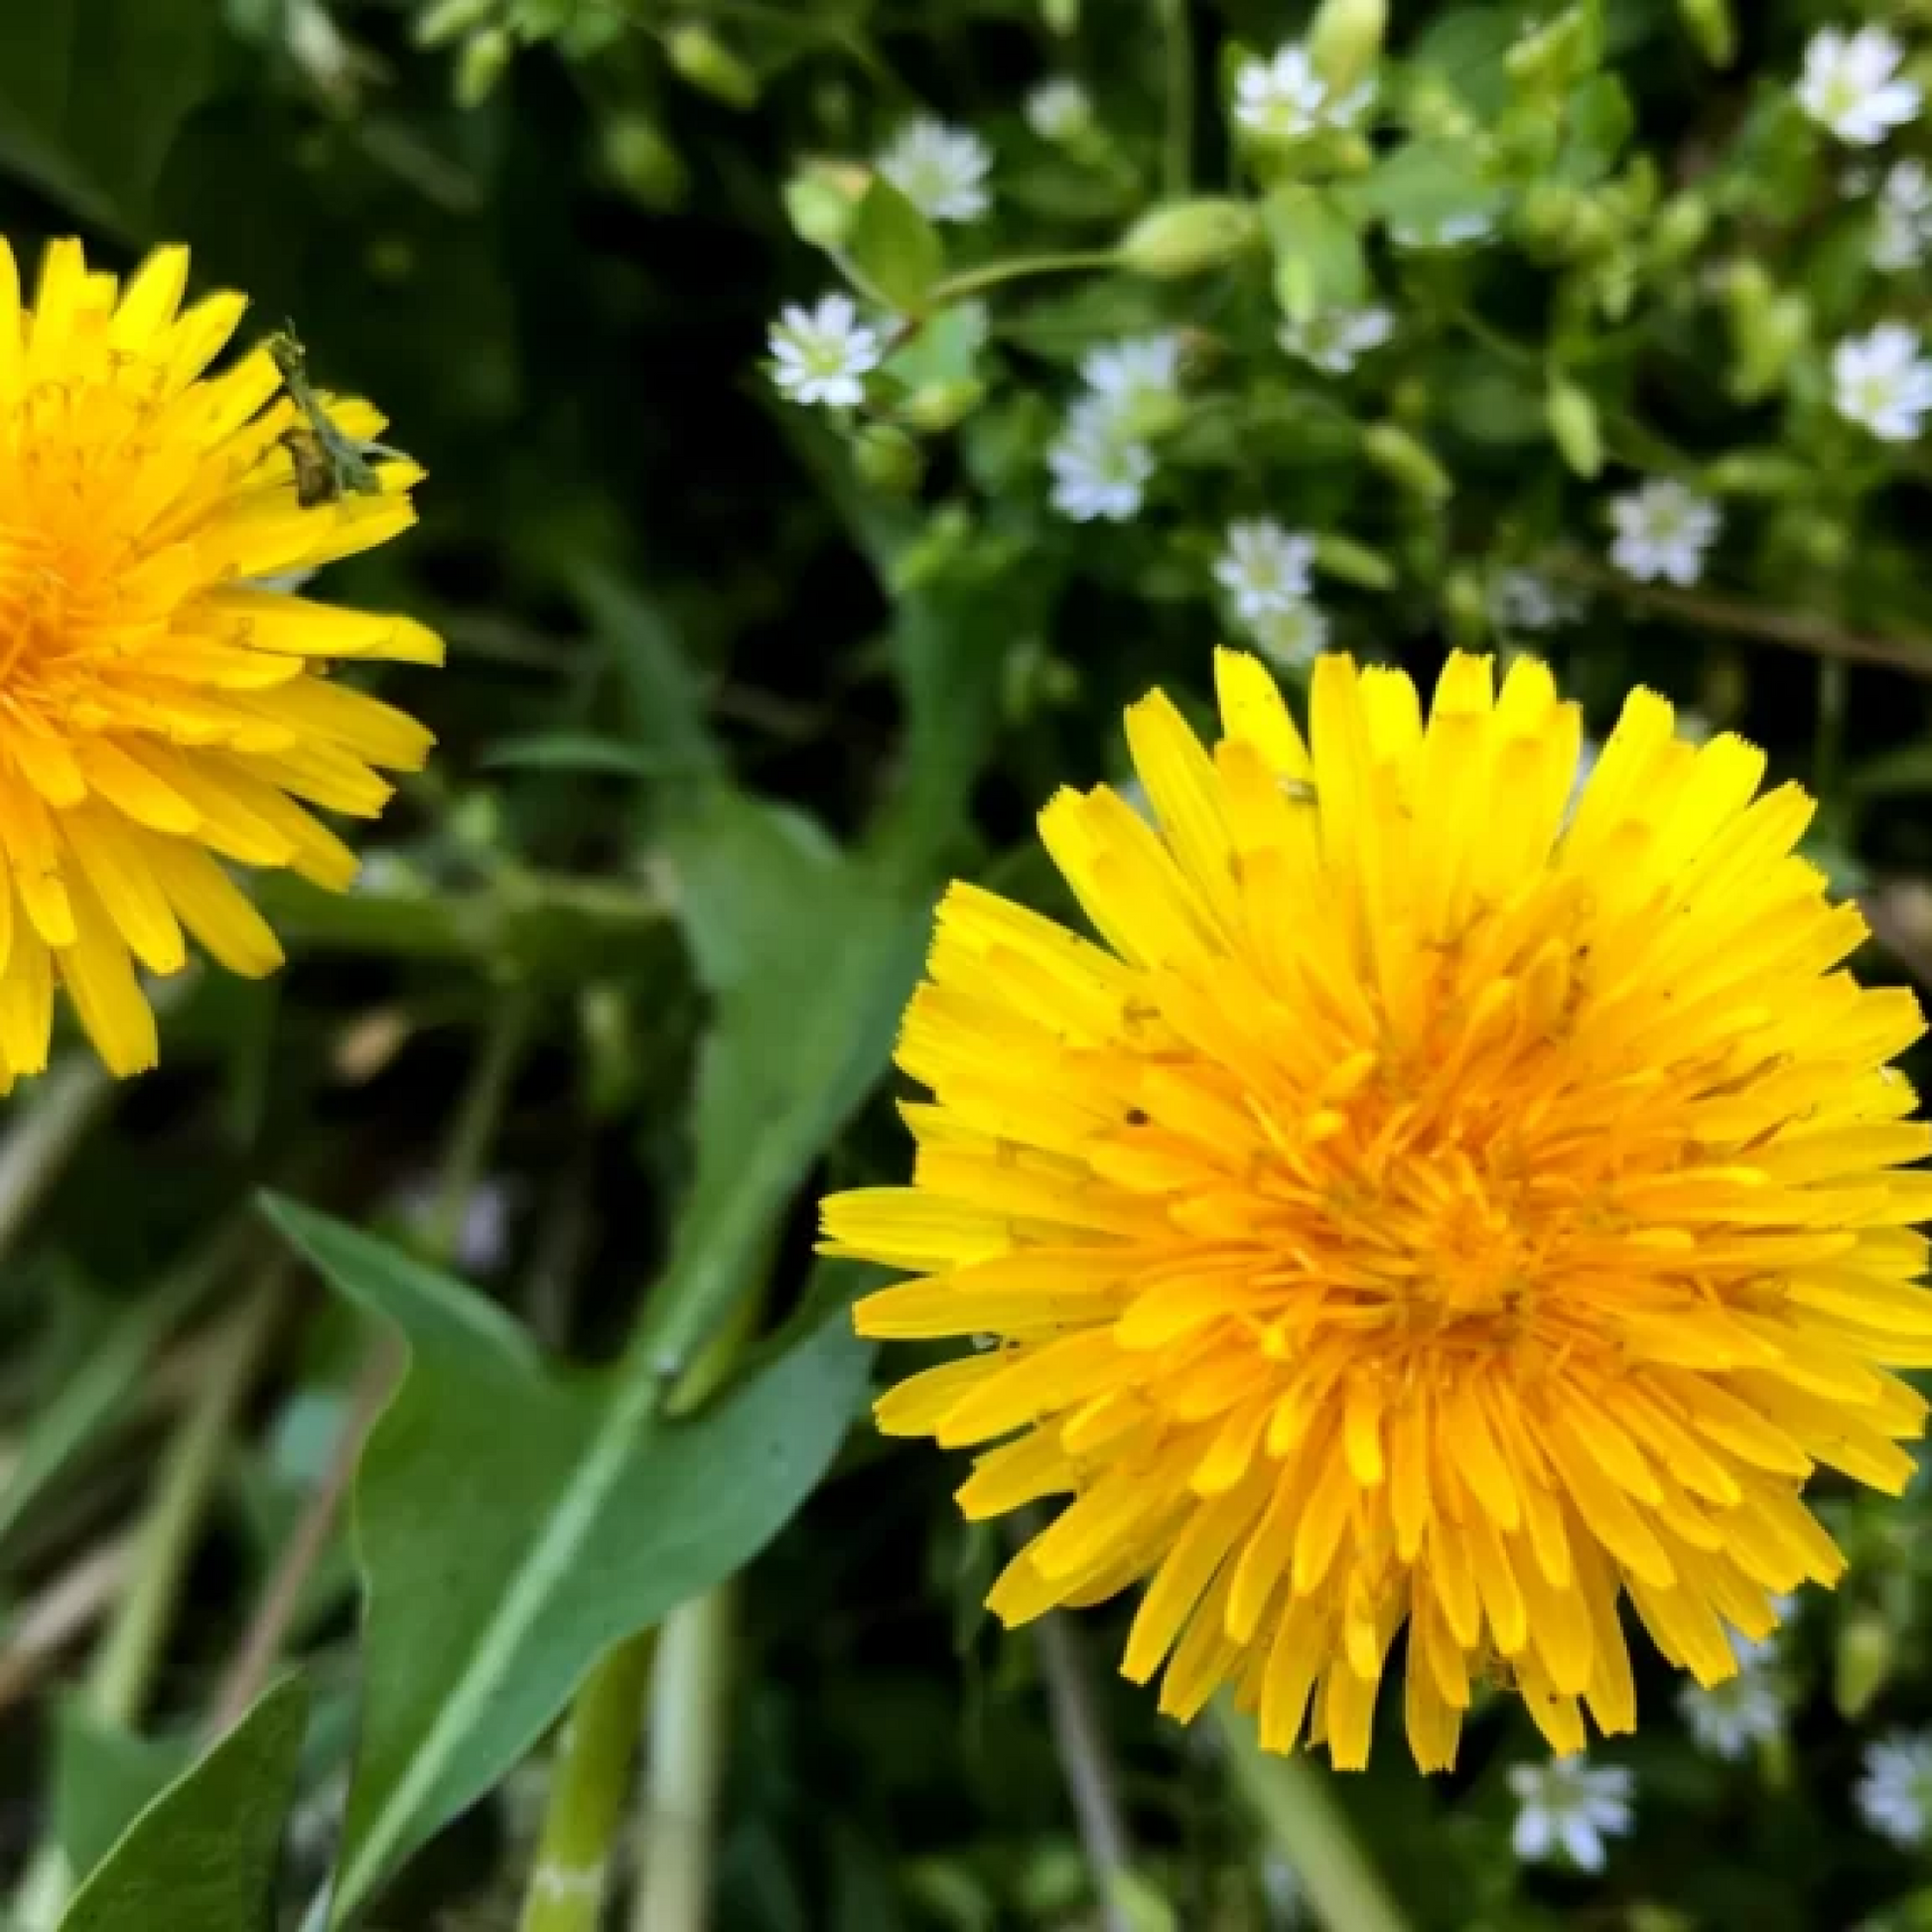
1596	130
203	1854
103	1778
1423	185
943	349
1465	47
513	1523
1317	254
894	249
93	93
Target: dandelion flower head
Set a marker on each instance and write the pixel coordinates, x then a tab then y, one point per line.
164	708
1430	1208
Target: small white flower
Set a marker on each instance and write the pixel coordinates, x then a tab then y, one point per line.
823	355
1894	1797
1521	600
1336	340
1452	231
1903	238
1728	1718
1059	110
1850	85
940	170
1292	638
1883	382
1663	531
1285	100
1134	380
1099	474
1568	1804
1264	569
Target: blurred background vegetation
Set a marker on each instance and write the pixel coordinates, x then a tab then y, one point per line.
734	683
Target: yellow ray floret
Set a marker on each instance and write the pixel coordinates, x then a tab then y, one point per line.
1440	1208
162	710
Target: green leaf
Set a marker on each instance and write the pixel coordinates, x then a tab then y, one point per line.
93	93
1319	263
1465	47
667	703
103	1778
1596	128
943	349
1422	186
894	249
514	1523
203	1854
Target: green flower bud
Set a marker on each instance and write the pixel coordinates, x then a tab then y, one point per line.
1410	401
485	57
710	66
822	201
1573	426
1436	111
608	1030
1345	40
1756	473
1709	24
1553	59
1062	17
1822	542
1183	239
1546	214
936	406
1353	562
1466	610
1768	329
450	20
888	460
643	163
1680	230
1407	462
1862	1664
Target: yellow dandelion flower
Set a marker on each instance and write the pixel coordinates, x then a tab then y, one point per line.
1432	1208
160	707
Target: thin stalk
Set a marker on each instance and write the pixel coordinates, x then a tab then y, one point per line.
1087	1764
41	1138
472	1133
1018	268
1828	743
1178	150
689	1702
1292	1799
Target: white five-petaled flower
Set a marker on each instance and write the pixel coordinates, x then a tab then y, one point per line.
1100	473
1136	378
1292	638
1904	237
1850	85
1663	531
1264	569
1728	1718
1567	1803
1059	110
823	355
1883	382
1336	340
940	170
1286	99
1521	600
1894	1797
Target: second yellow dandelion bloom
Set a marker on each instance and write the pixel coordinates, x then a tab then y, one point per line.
1439	1204
163	707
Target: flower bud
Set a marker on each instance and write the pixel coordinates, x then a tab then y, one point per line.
1710	25
1861	1665
1061	17
937	406
822	201
1407	462
643	163
1680	230
1768	329
1345	40
888	460
1573	426
1756	473
483	62
1466	610
710	66
1436	111
1353	562
1183	239
1545	215
1556	56
450	20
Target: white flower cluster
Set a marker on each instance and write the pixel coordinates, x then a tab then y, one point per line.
1333	341
1851	87
1264	570
1283	98
1569	1806
1102	460
823	355
940	170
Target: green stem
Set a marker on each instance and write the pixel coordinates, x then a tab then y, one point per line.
1177	154
689	1702
1087	1764
1294	1804
1827	746
41	1138
472	1133
1020	268
586	1793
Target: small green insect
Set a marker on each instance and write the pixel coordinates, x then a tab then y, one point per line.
330	464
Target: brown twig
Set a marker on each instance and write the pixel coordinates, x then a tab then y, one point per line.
1911	654
66	1609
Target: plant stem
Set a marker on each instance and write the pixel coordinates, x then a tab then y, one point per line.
1085	1759
587	1792
1290	1797
1018	268
42	1136
1177	154
472	1133
688	1702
